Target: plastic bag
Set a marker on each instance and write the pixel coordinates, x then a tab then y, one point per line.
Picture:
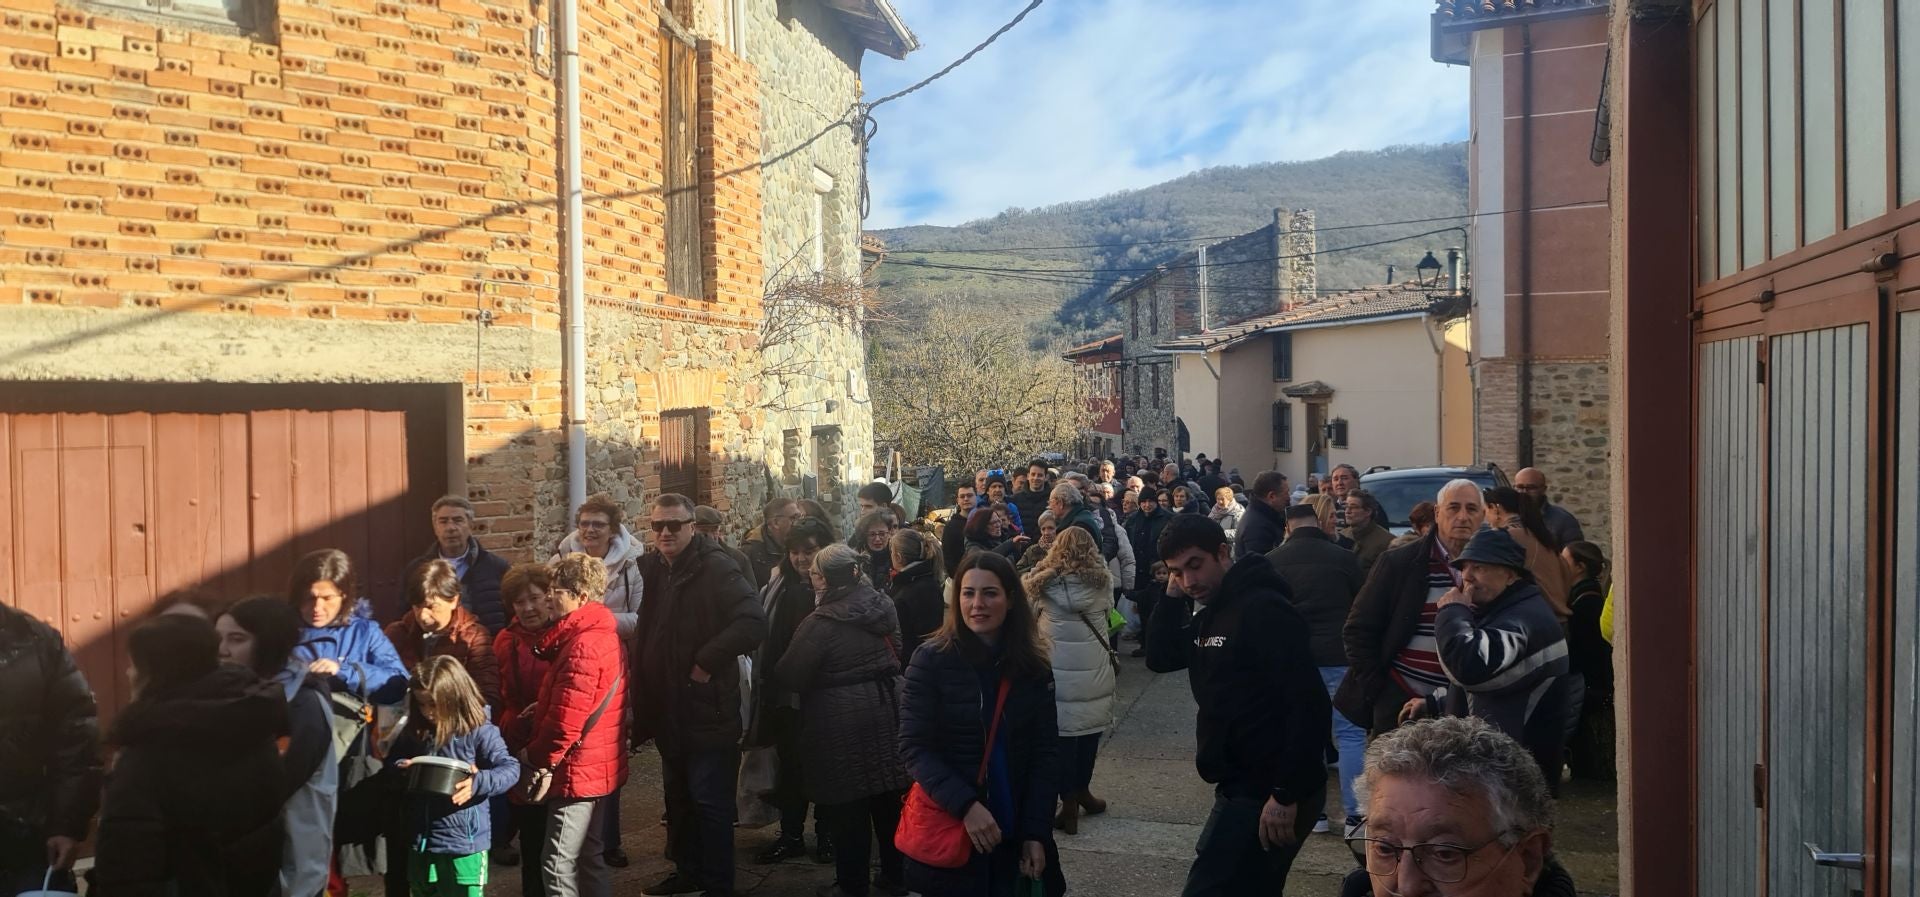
759	771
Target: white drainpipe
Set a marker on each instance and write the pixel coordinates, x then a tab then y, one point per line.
575	282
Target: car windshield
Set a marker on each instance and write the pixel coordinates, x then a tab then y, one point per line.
1398	495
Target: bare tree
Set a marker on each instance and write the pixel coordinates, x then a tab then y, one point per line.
961	391
803	315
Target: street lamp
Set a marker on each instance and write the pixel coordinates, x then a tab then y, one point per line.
1428	270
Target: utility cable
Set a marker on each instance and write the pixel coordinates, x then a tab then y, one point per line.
1253	261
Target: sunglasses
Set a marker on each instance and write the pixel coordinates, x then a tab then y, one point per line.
668	526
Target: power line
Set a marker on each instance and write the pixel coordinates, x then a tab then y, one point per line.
1164	268
956	63
1171	240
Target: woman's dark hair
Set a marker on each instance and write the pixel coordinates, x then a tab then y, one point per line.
980	522
1510	500
200	600
869	520
1186	531
602	503
433	579
1592	563
172	649
275	627
326	565
1421	517
806	531
812	510
1023	645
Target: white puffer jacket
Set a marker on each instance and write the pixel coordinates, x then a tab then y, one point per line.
623	579
1083	679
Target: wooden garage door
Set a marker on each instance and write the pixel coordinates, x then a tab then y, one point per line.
102	512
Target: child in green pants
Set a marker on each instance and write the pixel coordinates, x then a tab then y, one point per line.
451	835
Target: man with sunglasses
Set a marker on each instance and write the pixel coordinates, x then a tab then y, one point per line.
701	614
1454	809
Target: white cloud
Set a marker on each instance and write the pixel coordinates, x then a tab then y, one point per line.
1087	97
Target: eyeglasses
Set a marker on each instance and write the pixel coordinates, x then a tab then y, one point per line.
1441	863
594	524
668	526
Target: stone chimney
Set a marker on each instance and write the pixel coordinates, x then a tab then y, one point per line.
1295	274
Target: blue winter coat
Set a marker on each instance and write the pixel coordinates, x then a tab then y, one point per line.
368	663
437	826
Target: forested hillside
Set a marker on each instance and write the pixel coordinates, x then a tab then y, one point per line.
1004	268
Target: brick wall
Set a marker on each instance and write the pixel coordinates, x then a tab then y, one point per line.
369	197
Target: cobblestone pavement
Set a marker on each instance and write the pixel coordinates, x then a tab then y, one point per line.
1140	848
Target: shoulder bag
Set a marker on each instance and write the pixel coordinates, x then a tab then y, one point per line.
927	832
536	783
1101	637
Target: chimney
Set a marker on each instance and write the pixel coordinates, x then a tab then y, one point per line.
1453	271
1299	279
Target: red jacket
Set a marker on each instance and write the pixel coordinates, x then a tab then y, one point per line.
522	673
466	640
584	648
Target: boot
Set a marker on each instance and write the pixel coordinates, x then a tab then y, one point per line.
1093	805
1069	819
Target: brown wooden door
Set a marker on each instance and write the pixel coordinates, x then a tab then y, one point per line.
683	446
104	511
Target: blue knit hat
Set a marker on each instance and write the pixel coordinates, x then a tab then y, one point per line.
1494	546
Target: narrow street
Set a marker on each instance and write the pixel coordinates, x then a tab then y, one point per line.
1140	848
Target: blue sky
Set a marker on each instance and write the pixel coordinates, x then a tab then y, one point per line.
1087	97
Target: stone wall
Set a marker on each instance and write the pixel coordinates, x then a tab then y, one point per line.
809	67
1571	436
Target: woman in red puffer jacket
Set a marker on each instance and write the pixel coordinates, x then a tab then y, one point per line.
523	591
578	726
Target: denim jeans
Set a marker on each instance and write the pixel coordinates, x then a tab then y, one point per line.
1350	739
700	814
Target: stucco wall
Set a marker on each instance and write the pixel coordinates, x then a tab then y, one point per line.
1198	397
1246	409
1456	394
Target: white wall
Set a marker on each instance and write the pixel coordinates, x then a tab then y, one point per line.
1196	400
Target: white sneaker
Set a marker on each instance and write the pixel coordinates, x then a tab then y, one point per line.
1321	827
1356	827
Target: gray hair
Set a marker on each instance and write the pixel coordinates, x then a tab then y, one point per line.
1470	758
1440	497
1069	493
837	564
1046	517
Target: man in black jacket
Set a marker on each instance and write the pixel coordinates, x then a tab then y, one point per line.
49	754
1263	719
1324	578
767	543
1032	501
953	534
479	569
700	616
1263	529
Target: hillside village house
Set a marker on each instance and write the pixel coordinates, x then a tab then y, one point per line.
1103	363
277	274
1371	377
1538	237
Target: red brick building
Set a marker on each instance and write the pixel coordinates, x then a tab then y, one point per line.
273	279
1104	359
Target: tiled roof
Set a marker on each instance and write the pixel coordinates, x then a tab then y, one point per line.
1471	9
1103	344
1353	307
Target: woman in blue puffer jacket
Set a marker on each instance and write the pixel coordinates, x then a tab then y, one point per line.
339	641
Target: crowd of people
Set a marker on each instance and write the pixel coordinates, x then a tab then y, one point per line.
934	693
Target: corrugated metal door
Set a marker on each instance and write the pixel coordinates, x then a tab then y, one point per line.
1729	657
1904	822
1817	595
101	514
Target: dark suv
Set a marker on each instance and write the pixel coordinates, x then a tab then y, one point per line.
1399	490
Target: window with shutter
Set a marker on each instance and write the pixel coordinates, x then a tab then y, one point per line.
1282	356
1282	427
683	452
681	149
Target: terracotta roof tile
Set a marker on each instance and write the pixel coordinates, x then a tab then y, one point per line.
1353	306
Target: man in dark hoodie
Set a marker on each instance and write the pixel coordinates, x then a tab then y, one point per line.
192	805
700	616
1262	529
1263	718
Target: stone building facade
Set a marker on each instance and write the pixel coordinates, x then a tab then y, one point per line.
341	219
1259	273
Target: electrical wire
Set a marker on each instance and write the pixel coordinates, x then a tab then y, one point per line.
1163	268
958	62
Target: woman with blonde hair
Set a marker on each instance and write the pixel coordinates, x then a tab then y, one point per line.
1322	504
1074	591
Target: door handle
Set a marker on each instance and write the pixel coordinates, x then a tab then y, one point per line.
1836	860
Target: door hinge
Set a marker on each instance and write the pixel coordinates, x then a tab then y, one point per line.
1760	370
1760	786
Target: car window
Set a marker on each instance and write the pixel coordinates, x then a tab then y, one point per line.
1398	495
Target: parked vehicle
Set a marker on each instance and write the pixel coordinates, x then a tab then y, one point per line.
1399	490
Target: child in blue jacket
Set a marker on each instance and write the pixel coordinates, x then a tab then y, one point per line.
448	719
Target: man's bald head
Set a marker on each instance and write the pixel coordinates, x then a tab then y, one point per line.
1531	482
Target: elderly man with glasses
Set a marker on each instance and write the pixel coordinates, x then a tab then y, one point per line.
1454	809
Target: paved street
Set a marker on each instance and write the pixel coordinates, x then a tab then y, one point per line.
1140	848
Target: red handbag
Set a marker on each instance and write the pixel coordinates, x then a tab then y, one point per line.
927	832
